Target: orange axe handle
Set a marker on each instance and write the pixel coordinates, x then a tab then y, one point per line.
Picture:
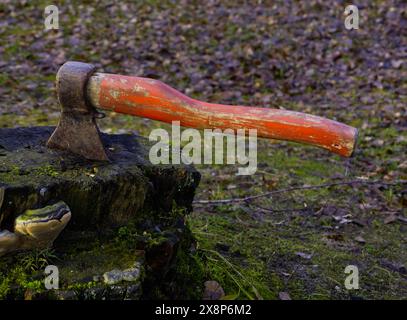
155	100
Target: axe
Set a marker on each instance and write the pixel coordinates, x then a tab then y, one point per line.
81	91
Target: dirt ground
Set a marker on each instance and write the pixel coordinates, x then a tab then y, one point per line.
320	213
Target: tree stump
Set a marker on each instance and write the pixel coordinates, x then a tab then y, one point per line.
127	234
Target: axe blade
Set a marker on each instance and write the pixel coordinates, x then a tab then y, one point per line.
78	134
77	130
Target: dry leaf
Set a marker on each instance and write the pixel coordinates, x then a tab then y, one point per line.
360	239
390	219
303	255
284	296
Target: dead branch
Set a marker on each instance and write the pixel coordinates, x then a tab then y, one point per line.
306	187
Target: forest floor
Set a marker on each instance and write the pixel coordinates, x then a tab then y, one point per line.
293	243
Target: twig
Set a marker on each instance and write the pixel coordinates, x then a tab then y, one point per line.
326	185
280	210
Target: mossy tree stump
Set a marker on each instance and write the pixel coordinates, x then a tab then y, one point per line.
124	213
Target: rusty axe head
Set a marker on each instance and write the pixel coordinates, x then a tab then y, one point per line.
77	130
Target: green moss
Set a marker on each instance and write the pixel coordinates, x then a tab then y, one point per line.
47	170
128	236
189	275
3	78
17	280
4	286
93	260
81	287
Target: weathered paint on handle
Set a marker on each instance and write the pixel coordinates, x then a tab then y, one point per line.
155	100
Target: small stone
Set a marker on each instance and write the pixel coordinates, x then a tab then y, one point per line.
113	277
213	291
131	275
309	72
378	143
43	191
306	256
